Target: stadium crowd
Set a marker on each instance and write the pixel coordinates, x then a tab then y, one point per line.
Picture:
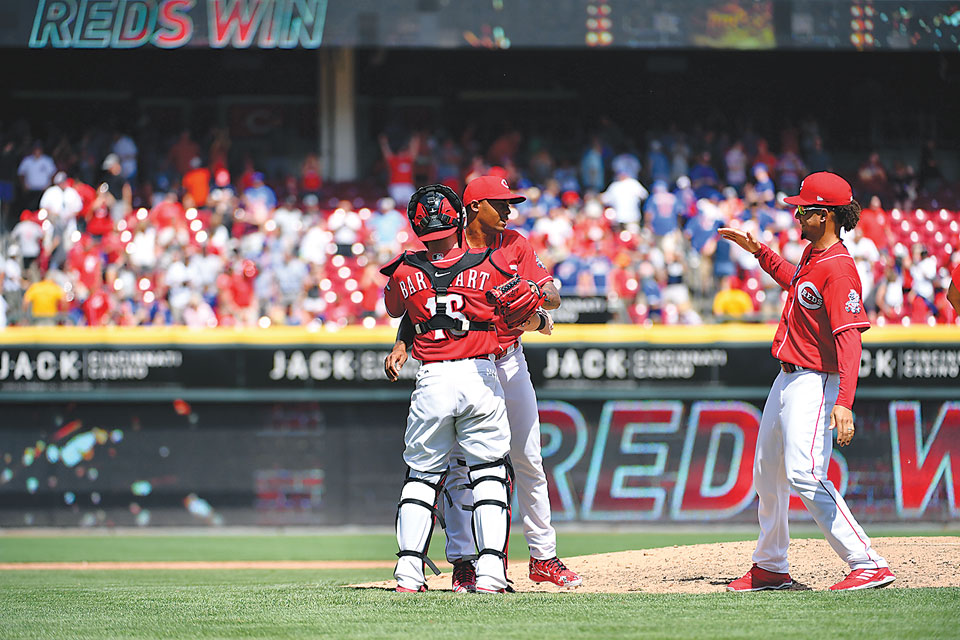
103	229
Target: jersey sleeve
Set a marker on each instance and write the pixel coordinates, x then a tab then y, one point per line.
393	299
849	348
778	268
956	277
842	301
528	263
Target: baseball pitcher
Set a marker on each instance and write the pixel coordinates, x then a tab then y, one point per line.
488	200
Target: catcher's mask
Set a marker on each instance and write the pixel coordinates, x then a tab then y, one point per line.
435	212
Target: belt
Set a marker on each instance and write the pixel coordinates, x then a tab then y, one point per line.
485	356
508	350
786	367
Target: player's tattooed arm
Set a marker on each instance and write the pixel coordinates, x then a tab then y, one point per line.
540	321
551	298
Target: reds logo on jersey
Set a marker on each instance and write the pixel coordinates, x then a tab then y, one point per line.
853	302
808	296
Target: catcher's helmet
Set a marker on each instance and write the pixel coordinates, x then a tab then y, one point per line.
435	212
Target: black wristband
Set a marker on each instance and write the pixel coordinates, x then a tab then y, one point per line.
543	320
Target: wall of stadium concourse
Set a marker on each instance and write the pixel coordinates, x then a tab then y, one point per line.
336	101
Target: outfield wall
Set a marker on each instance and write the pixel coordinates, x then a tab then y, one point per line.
287	427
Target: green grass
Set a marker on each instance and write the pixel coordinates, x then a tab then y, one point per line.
95	548
145	547
278	604
53	605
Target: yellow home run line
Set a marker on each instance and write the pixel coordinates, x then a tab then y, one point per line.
563	334
191	565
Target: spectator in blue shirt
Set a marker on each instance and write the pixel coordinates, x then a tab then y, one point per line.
657	162
258	193
660	210
591	167
766	192
703	176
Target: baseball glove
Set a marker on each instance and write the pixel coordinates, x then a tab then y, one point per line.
515	300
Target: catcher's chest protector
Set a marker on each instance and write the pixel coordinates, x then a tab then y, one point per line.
440	280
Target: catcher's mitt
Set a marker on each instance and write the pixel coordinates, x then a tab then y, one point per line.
516	300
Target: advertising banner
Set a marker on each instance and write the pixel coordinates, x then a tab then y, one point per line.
286	427
607	367
330	463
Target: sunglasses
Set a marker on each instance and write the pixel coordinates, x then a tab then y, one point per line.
803	212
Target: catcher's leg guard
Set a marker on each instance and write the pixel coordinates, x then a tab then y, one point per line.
459	529
492	485
416	514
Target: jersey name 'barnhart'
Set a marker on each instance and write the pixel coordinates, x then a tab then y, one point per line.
469	279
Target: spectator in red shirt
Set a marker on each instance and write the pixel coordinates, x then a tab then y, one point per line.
85	261
765	157
310	178
872	176
874	223
97	308
916	308
168	212
182	152
196	183
400	167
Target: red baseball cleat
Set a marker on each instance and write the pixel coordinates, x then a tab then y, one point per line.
464	577
422	588
758	579
865	579
553	570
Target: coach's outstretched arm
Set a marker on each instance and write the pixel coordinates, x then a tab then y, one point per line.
778	268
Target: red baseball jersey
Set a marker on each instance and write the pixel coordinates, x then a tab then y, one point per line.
956	277
400	166
520	258
823	299
409	290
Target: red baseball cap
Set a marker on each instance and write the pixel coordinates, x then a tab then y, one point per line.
490	188
823	188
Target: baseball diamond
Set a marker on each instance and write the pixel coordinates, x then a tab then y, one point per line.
598	319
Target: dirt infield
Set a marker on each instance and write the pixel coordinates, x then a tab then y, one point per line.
704	568
707	568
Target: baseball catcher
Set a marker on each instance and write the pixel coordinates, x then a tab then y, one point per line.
458	400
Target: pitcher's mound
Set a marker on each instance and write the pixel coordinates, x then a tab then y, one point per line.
707	568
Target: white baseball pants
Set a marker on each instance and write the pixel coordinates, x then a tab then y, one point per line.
793	451
454	403
531	481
